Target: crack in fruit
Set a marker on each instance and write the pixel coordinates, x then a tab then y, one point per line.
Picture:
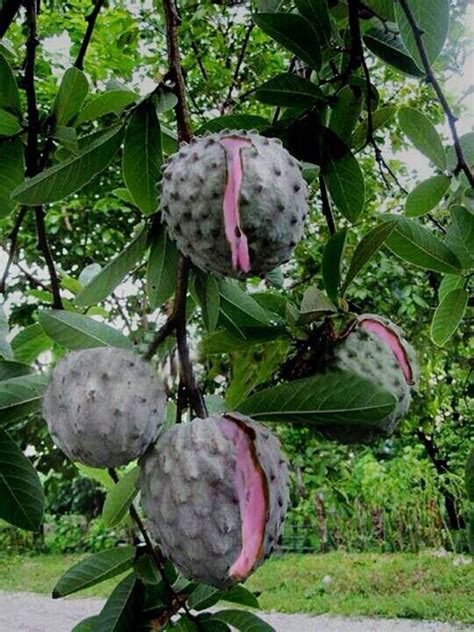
390	338
237	239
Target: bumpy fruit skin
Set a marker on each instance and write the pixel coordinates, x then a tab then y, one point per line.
367	354
104	406
271	201
189	495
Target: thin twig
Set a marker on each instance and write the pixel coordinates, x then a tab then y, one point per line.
163	333
91	20
240	59
462	165
201	65
13	246
326	205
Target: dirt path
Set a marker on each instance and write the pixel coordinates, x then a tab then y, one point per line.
28	612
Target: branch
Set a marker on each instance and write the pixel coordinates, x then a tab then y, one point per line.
13	246
430	77
7	14
240	60
91	20
327	211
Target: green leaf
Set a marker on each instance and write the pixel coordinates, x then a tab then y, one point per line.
29	343
9	369
72	174
315	304
119	612
331	263
110	102
75	331
379	118
449	282
67	137
242	621
426	195
5	347
142	157
145	569
96	474
11	173
433	20
293	32
161	269
289	90
95	569
9	95
460	235
448	316
346	111
21	493
71	94
367	247
221	342
9	125
240	310
234	121
20	396
419	246
184	624
383	8
241	595
422	133
203	597
469	476
389	47
120	497
105	282
316	12
124	194
86	625
206	288
467	145
336	397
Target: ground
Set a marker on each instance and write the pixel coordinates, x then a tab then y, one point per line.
427	586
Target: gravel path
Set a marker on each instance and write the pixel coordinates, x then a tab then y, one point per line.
28	612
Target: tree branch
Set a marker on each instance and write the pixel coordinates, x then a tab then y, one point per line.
91	20
7	14
462	165
13	246
238	66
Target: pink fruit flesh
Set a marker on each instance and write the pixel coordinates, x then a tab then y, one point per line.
238	241
251	486
391	339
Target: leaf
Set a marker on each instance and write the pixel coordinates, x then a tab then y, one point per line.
240	310
336	397
422	133
419	246
9	95
460	235
29	343
206	288
184	624
124	194
203	597
426	195
161	269
241	595
67	137
120	497
110	102
448	316
467	145
234	121
105	282
142	157
293	32
86	625
433	20
72	174
20	396
289	90
346	111
220	342
5	347
72	91
9	125
449	282
11	172
384	8
75	331
145	569
21	493
314	305
367	247
95	569
9	369
379	118
242	621
317	14
389	47
331	263
96	474
120	611
469	476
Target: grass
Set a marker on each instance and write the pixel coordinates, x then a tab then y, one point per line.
421	586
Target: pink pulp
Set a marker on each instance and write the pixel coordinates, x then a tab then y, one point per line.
391	339
238	241
252	491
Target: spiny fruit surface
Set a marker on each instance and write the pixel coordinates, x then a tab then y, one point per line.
215	492
234	203
104	406
376	350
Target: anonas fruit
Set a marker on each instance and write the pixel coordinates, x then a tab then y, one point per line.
234	203
375	350
215	492
104	406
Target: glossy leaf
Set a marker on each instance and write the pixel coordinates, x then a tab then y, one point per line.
21	493
422	133
346	111
293	32
21	396
110	102
9	125
29	343
206	288
289	90
105	282
240	310
72	174
449	282
331	263
11	173
10	369
315	304
241	595
243	621
76	331
389	47
161	269
9	94
86	625
433	20
317	14
120	497
460	236
72	91
67	137
466	142
426	195
226	342
94	570
120	611
448	316
379	118
384	8
336	397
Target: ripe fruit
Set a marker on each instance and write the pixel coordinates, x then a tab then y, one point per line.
376	350
215	492
104	406
234	203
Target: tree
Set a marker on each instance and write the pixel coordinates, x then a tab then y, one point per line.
80	171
